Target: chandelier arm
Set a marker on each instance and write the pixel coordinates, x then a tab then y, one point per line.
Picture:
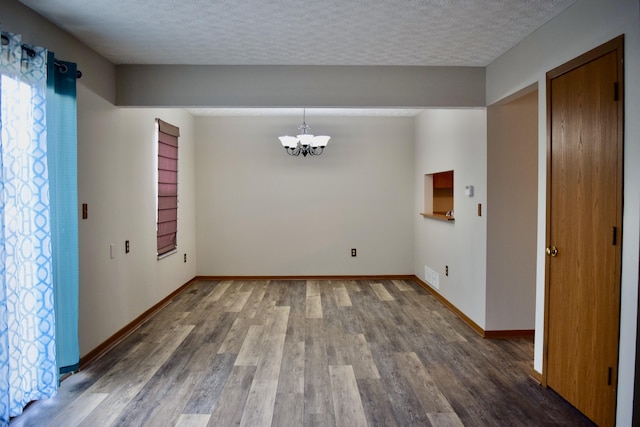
292	151
315	151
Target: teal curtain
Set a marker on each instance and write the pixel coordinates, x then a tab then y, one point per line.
38	224
62	160
27	322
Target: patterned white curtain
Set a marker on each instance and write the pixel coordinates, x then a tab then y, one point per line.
27	323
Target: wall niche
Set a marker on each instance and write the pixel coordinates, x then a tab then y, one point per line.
438	196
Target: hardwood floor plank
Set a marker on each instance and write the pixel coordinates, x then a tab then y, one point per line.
189	299
346	398
219	290
461	396
402	286
274	291
317	384
260	403
342	296
193	420
404	402
376	404
296	326
251	347
277	324
236	336
239	303
264	312
284	297
445	328
314	307
445	420
291	380
254	301
418	378
313	288
319	420
351	321
382	292
124	383
381	326
337	345
143	359
205	310
329	308
206	393
166	394
288	410
229	408
226	301
354	286
270	358
78	410
361	359
215	331
298	296
119	397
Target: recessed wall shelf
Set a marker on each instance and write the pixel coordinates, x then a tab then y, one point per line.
438	196
441	217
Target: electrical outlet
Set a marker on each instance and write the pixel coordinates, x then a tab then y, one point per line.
446	270
353	251
127	247
185	257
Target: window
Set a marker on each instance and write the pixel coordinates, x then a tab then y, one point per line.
167	213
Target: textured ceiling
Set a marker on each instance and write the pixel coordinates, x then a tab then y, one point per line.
311	32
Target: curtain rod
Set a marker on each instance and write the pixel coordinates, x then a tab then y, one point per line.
32	53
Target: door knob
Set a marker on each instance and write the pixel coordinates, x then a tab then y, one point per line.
552	251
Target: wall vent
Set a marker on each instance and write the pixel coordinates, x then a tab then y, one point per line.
432	277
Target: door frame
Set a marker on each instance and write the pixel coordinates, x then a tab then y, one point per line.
614	45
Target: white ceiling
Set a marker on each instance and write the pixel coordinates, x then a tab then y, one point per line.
311	32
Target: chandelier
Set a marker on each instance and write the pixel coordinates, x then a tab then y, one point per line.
305	143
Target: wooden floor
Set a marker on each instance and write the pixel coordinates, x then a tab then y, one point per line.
294	353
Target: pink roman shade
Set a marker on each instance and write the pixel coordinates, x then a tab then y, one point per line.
167	187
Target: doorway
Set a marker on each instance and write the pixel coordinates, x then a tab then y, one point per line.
584	219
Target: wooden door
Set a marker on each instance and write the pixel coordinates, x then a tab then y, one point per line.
584	213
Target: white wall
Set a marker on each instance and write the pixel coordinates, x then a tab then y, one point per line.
581	27
116	164
116	178
262	212
512	196
454	139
